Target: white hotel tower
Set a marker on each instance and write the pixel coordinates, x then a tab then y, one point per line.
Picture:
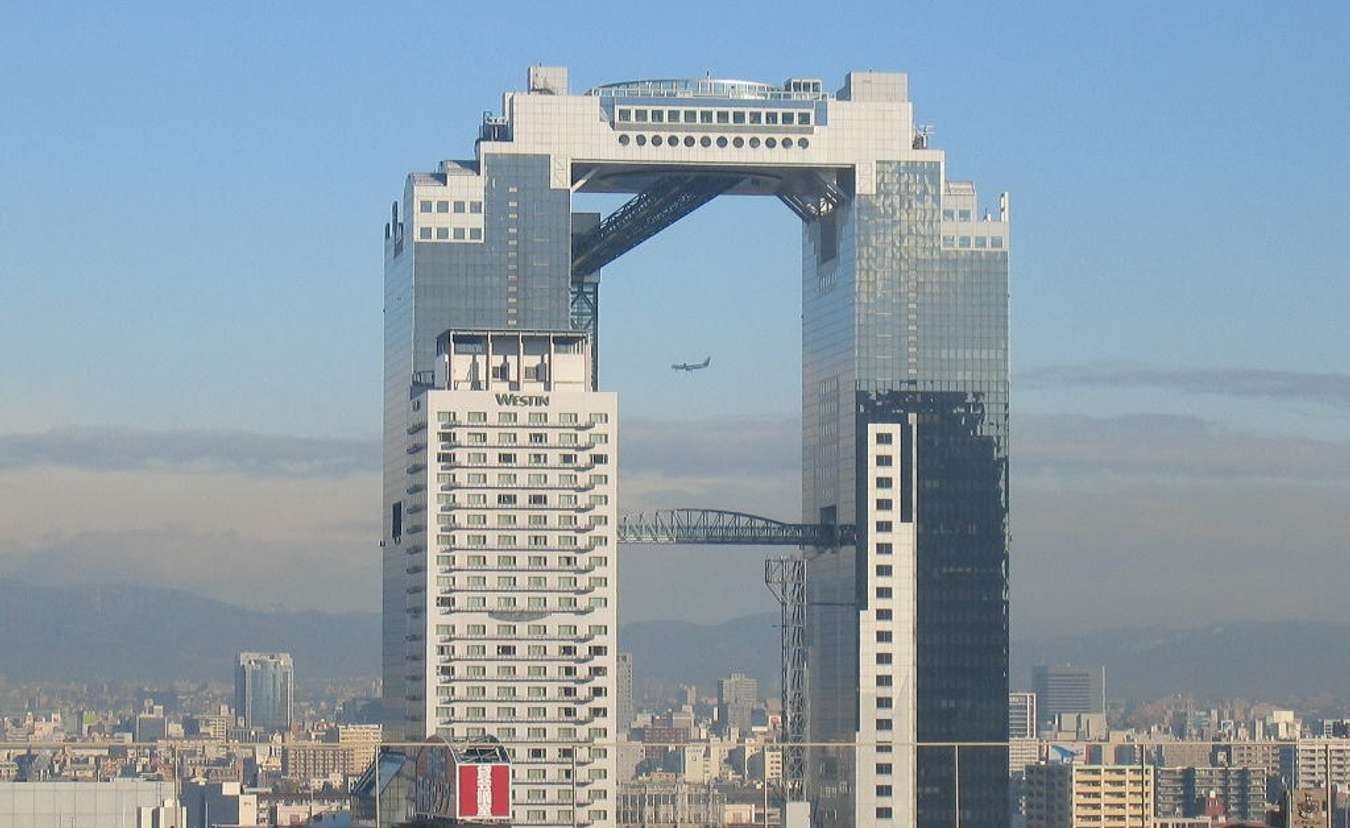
509	564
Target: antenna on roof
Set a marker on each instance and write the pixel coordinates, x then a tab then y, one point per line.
921	134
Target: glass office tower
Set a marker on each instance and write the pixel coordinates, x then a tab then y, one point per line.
904	389
905	434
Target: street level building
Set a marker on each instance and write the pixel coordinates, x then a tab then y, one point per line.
113	804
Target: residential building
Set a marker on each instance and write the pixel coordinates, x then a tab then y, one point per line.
264	690
363	739
1239	793
1089	796
1022	721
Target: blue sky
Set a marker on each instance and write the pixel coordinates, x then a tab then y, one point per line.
192	200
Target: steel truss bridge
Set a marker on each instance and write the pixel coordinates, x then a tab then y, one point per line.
785	578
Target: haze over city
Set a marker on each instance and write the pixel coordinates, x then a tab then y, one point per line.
200	310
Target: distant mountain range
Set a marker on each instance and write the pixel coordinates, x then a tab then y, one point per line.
129	633
150	634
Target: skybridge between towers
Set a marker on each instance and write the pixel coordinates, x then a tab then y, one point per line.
784	576
895	599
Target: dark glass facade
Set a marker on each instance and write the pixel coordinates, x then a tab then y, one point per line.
900	328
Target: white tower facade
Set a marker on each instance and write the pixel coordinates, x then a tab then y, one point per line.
510	536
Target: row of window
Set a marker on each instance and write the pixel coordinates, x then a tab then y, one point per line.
511	459
426	206
533	712
536	479
509	671
707	141
533	438
450	233
510	602
512	417
512	499
534	692
531	582
511	540
563	630
513	651
980	242
714	117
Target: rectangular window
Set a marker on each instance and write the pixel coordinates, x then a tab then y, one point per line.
459	234
690	116
884	459
442	206
658	116
884	504
705	117
771	118
883	438
475	206
884	482
640	116
883	571
884	526
738	117
475	233
424	233
425	207
460	206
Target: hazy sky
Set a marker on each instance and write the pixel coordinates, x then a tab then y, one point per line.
191	210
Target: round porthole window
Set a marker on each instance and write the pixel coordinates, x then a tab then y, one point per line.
738	142
656	140
803	143
642	140
673	140
688	140
623	140
754	143
722	142
705	141
770	143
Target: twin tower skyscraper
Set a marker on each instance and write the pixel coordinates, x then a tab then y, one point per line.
501	455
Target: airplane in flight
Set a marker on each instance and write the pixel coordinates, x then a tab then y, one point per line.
691	366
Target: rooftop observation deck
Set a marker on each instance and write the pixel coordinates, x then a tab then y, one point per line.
793	89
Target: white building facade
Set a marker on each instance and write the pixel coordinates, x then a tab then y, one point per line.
510	541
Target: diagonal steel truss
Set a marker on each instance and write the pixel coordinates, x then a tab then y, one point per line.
669	199
786	579
716	526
